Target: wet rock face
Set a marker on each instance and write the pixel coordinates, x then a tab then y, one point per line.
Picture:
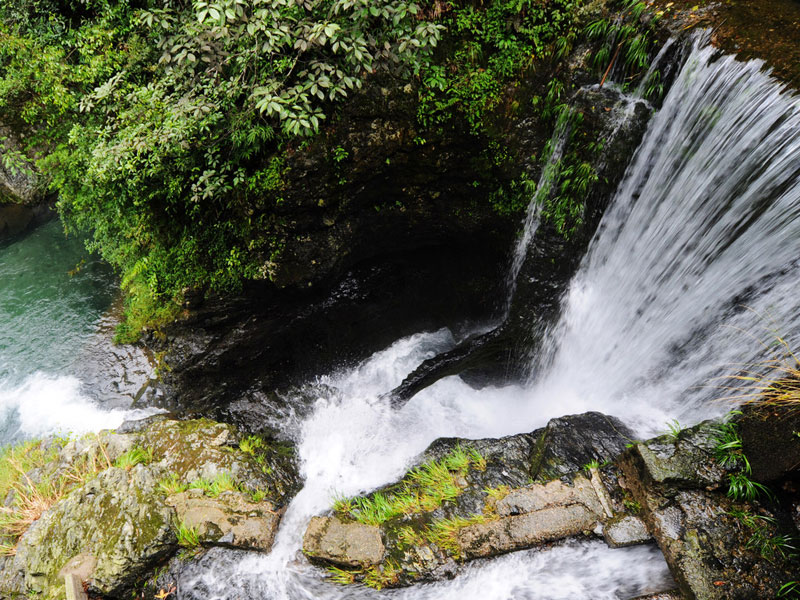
116	527
769	440
229	356
682	494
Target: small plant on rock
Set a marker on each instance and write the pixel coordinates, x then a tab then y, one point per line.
341	576
250	444
135	456
383	576
188	537
172	485
223	482
675	429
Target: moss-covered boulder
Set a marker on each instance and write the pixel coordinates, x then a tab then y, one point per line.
117	505
118	517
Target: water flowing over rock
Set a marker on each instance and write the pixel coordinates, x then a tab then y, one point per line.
491	507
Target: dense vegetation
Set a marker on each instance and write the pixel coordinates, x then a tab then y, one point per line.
161	124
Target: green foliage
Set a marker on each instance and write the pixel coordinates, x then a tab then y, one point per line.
626	39
568	172
250	444
728	448
158	119
188	537
730	454
444	533
763	537
223	482
424	489
741	487
674	429
135	456
379	577
790	589
26	499
341	576
488	45
172	485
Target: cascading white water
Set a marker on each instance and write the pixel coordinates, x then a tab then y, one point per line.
696	258
699	243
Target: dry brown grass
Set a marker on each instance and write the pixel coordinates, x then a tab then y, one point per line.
30	497
774	381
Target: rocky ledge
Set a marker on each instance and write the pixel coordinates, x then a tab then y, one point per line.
136	497
580	476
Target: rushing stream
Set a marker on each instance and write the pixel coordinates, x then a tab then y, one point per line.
695	260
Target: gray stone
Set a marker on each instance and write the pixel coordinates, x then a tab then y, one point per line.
525	531
346	544
686	461
626	530
118	517
230	518
554	493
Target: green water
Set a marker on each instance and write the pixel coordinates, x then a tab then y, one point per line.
46	313
58	369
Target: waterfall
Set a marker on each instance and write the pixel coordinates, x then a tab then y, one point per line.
695	257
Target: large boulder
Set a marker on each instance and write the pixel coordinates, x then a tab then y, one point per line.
716	547
172	482
117	517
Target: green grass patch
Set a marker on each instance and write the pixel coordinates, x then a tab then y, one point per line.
135	456
172	485
341	576
424	489
223	482
444	533
188	537
31	498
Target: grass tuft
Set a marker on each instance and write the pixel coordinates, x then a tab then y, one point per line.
424	489
188	537
383	576
172	485
341	576
223	482
30	497
135	456
444	533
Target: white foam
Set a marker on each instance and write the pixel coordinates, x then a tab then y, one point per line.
45	404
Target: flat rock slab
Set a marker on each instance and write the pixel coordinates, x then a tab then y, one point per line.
526	530
230	518
346	544
554	493
626	530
